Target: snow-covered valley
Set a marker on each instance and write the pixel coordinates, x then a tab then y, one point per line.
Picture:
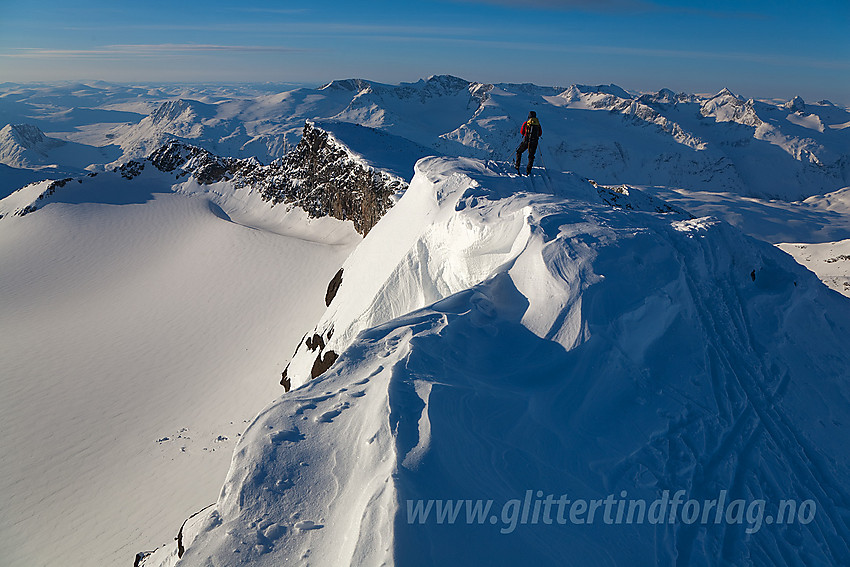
625	320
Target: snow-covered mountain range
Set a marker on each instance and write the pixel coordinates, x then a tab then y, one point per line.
620	323
672	139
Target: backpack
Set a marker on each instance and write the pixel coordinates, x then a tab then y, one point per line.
532	128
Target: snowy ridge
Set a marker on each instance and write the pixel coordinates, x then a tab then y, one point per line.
320	175
187	120
437	250
561	343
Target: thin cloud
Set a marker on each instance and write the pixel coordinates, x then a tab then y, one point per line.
301	29
284	11
611	6
143	50
171	47
766	59
572	5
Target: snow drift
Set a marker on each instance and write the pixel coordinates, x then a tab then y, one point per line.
497	336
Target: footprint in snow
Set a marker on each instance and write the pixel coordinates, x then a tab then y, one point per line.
357	394
304	407
318	399
274	531
291	435
306	525
328	416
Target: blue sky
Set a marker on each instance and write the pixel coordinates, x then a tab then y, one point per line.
755	47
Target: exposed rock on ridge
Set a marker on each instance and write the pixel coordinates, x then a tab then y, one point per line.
319	175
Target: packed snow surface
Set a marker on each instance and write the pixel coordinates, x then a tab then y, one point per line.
500	335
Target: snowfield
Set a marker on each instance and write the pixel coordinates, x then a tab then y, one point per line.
627	323
138	341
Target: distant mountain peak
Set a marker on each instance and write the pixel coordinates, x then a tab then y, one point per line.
25	145
353	85
575	92
610	89
440	85
448	81
726	93
26	135
796	104
171	110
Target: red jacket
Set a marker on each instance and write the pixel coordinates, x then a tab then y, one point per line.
531	128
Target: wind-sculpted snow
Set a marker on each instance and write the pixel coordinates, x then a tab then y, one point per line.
500	337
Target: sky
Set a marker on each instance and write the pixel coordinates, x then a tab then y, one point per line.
757	48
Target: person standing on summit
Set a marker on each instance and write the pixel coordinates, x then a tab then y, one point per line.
531	132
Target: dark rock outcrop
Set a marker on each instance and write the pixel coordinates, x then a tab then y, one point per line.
333	287
285	381
319	175
315	342
322	363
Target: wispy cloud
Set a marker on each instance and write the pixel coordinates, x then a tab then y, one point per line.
143	50
763	58
615	6
570	5
636	52
171	47
422	35
301	29
284	11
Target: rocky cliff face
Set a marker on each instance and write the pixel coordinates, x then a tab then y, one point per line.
320	175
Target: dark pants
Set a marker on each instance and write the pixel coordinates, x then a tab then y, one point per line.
531	146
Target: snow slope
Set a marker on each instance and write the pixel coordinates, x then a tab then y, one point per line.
500	335
142	329
814	231
830	261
